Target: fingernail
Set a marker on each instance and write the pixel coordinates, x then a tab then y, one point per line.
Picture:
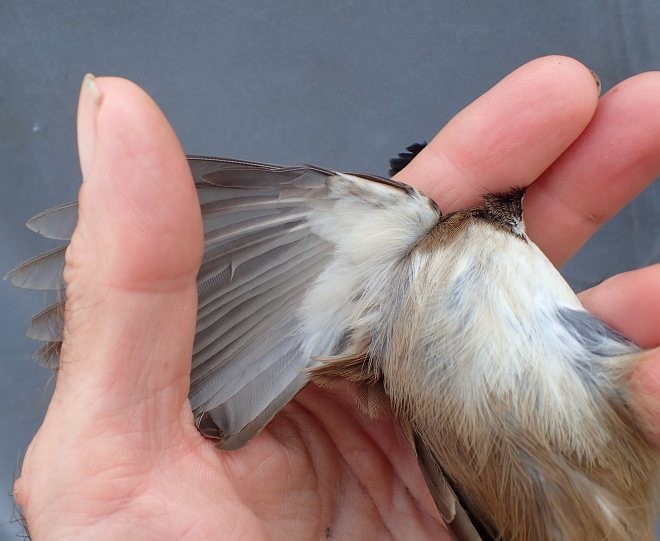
595	75
88	106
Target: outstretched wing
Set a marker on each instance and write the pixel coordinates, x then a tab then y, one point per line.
292	257
285	248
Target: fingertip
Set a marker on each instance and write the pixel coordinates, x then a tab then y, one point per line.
630	303
629	111
615	158
139	195
631	106
569	69
131	125
88	105
646	83
568	82
561	90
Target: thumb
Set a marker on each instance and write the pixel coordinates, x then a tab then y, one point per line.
132	262
121	392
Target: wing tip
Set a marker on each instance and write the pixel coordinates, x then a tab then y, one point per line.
48	355
208	427
13	277
33	223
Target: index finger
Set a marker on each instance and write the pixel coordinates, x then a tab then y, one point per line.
508	136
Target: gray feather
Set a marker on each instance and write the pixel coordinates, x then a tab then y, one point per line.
251	294
48	325
43	272
56	223
49	355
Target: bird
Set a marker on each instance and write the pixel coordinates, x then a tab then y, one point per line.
515	399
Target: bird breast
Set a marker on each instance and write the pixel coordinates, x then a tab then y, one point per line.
479	336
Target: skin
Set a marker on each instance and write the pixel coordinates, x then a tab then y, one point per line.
118	453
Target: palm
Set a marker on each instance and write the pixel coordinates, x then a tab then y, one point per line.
332	473
118	450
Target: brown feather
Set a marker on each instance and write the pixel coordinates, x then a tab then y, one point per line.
354	373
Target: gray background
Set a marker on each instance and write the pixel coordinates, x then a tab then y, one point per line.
343	84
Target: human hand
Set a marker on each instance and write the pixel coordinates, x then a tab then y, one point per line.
118	452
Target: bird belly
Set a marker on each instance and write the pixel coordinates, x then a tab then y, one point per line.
492	377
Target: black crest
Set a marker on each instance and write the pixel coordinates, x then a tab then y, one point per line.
404	158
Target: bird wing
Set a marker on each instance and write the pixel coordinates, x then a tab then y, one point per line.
274	239
270	232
